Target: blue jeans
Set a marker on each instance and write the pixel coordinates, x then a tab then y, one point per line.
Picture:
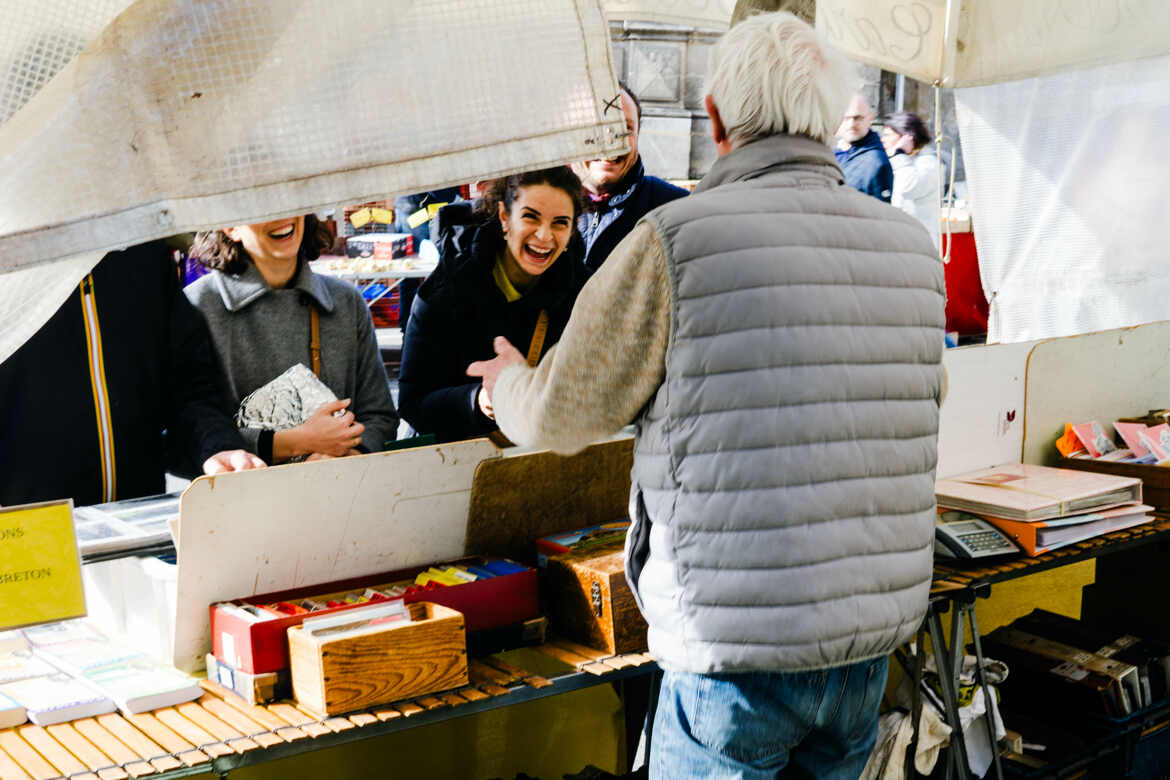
754	725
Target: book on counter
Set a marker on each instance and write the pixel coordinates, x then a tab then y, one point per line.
22	664
12	713
136	682
1021	491
57	698
142	684
1037	537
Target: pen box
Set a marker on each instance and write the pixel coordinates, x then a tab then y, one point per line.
256	644
252	688
1155	479
400	660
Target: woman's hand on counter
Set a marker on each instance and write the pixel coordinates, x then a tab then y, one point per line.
232	460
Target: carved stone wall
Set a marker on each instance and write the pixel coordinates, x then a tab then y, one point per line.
666	65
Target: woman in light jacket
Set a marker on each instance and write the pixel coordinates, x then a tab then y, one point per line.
259	301
916	170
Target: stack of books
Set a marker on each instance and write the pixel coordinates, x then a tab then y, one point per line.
71	670
1093	440
1042	508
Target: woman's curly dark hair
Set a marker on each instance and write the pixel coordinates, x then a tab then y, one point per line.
215	251
506	189
905	123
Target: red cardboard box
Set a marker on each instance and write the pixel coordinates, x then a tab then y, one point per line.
259	644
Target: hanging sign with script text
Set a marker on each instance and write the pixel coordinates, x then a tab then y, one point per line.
40	569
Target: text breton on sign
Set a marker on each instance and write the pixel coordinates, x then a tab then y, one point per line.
40	569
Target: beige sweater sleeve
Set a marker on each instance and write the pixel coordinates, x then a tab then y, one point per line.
609	362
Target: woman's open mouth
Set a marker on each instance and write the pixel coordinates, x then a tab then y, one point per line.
535	257
283	232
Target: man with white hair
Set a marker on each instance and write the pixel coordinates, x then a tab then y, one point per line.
777	337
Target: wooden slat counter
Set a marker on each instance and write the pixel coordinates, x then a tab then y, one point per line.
220	731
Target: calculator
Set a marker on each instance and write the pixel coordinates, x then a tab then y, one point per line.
964	535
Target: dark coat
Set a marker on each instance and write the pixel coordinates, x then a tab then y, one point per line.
459	311
160	374
611	220
867	167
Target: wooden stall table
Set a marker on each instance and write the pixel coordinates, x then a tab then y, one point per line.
957	585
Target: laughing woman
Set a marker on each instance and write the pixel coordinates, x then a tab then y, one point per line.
511	268
262	303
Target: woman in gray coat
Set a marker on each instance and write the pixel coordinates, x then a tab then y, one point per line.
259	301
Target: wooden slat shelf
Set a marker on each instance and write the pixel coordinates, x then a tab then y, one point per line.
952	576
220	732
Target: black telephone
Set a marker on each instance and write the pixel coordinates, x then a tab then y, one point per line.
964	535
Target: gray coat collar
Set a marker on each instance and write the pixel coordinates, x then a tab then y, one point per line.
790	153
240	290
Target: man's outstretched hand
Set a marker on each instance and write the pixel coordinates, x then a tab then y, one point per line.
489	370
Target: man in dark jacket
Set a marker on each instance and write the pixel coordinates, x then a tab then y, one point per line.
861	155
86	400
618	191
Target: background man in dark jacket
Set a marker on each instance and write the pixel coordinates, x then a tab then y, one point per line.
861	155
618	191
86	400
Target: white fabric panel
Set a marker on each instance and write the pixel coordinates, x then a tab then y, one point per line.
1068	198
894	35
192	114
706	14
28	297
1003	40
994	40
40	37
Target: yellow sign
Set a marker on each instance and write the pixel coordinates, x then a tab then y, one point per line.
40	570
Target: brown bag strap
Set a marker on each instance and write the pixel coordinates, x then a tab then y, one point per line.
315	341
538	334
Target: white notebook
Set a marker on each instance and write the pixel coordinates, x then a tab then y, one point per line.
57	698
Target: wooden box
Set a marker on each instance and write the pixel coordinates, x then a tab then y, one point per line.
589	602
335	675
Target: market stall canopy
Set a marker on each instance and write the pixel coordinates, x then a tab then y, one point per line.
708	14
180	115
963	43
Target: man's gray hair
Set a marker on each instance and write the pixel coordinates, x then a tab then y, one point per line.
772	73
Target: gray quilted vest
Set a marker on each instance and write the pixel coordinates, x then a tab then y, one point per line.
784	472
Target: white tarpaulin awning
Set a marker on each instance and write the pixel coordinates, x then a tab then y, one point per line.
707	14
1060	106
191	114
963	43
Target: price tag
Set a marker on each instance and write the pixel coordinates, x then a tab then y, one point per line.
417	218
40	569
360	218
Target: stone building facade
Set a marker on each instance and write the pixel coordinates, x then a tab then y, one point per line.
666	65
